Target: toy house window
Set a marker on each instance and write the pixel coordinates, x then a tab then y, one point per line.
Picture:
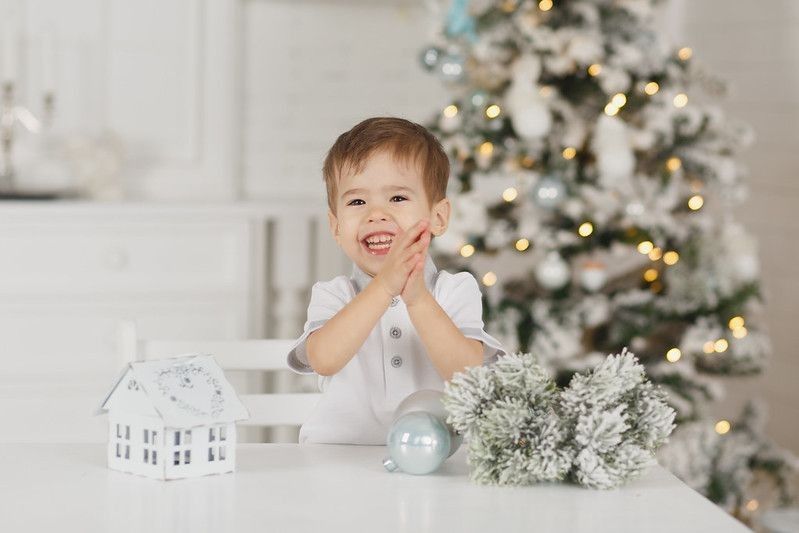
221	453
119	431
154	457
127	451
211	434
176	460
223	433
146	436
187	457
177	439
187	437
127	432
210	454
118	451
154	437
146	455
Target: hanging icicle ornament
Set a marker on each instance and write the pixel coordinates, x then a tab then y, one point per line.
614	154
529	111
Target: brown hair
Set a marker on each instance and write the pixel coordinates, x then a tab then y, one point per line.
406	141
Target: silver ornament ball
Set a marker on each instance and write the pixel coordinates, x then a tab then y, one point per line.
549	192
429	401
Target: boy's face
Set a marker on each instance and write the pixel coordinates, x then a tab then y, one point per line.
376	205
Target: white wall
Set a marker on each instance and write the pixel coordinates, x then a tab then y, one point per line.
312	70
755	46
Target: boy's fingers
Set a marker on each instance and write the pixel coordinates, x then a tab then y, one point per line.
415	248
413	233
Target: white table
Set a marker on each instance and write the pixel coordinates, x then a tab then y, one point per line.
287	487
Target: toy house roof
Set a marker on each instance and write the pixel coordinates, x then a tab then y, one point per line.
184	391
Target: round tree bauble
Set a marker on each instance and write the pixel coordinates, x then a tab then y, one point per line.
593	276
531	119
417	443
430	57
429	401
451	67
549	192
552	272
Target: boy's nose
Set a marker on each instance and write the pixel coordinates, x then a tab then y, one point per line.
377	215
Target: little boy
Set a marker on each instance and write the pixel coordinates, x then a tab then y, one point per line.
397	325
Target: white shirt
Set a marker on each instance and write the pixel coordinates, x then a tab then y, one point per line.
358	403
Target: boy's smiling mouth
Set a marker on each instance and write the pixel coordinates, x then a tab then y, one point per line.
378	242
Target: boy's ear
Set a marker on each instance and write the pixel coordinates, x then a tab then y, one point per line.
333	221
439	219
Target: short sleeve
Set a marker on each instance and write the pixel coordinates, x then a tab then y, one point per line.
327	299
460	297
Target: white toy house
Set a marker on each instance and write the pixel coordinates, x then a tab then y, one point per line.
173	418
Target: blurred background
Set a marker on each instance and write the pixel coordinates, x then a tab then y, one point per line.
161	166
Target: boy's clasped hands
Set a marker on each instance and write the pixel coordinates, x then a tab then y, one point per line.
403	271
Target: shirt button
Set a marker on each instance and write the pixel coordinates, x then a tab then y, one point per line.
394	301
395	332
396	361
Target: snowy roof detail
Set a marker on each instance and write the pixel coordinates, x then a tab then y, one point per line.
185	391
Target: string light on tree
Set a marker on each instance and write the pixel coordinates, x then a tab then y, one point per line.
674	164
595	69
671	257
450	111
696	202
739	333
752	505
545	5
723	427
611	110
673	355
709	347
585	229
655	254
493	111
736	322
467	250
510	194
509	6
522	244
651	88
650	275
685	53
619	99
569	152
645	247
721	345
681	100
489	279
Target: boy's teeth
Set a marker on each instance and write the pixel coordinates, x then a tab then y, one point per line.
379	239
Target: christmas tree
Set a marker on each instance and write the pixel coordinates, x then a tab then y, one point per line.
593	182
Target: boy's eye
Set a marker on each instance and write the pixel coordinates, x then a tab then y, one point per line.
401	198
352	202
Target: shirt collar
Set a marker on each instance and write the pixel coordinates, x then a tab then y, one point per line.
362	279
